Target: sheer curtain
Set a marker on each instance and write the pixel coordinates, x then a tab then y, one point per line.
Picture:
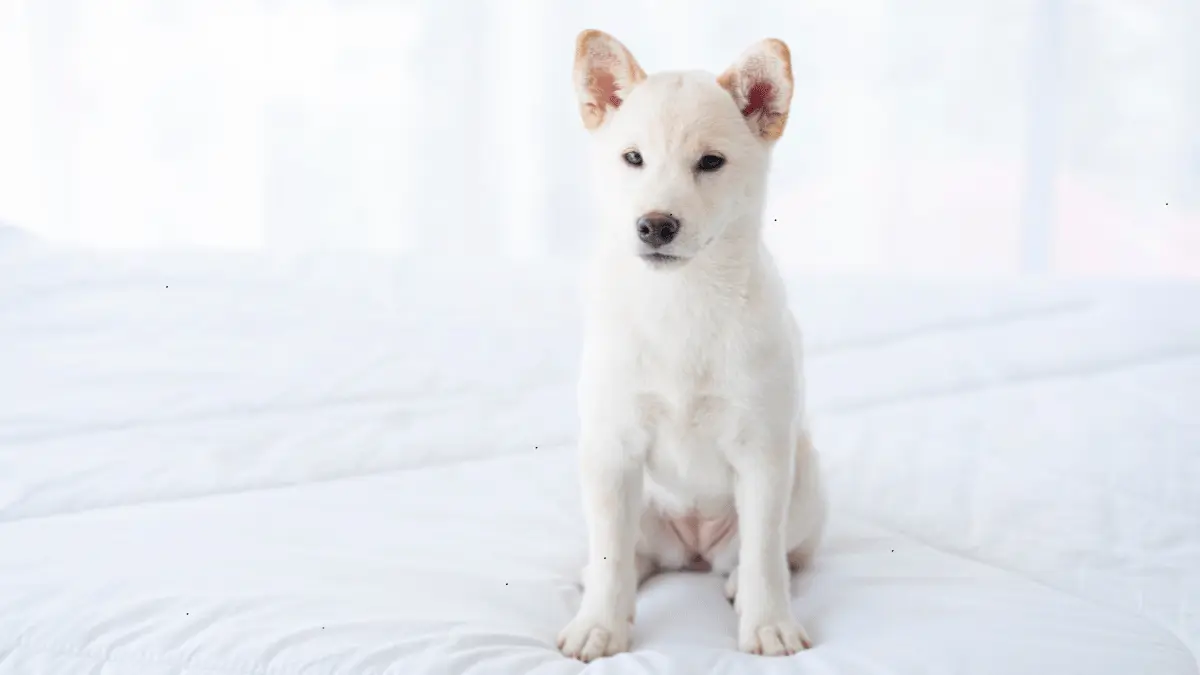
928	136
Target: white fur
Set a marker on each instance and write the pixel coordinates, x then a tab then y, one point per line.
691	394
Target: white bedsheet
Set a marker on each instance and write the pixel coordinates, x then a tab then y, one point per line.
235	465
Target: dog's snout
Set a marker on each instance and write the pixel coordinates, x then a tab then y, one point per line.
657	229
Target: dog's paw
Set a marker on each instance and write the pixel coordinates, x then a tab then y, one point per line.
588	638
772	638
731	594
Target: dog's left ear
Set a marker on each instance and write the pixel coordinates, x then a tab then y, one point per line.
761	85
605	71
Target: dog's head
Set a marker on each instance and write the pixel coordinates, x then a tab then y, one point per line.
681	157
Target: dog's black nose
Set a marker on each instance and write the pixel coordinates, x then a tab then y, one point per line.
657	229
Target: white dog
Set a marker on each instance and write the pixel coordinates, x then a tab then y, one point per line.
694	449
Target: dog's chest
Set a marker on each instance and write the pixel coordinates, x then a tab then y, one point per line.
686	459
688	406
685	352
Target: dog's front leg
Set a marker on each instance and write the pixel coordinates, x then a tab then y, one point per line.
612	494
766	625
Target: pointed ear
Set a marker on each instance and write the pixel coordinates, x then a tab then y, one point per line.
761	85
605	71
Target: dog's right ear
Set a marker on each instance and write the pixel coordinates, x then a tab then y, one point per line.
760	83
605	71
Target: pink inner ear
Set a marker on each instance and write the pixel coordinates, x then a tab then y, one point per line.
605	88
760	93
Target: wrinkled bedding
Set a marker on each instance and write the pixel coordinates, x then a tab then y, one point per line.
236	464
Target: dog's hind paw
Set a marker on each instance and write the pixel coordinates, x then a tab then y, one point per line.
731	588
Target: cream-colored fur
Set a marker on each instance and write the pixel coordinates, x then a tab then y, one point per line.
694	450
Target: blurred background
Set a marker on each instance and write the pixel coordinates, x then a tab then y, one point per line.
928	137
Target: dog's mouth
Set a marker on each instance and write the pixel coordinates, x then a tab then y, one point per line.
662	259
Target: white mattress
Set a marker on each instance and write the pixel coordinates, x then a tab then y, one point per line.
240	465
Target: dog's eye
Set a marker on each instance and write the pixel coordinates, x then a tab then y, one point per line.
633	158
710	163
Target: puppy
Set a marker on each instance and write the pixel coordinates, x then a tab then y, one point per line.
694	451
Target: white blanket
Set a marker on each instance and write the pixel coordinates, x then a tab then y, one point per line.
235	464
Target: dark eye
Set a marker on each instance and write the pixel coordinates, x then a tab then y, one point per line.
710	163
633	158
